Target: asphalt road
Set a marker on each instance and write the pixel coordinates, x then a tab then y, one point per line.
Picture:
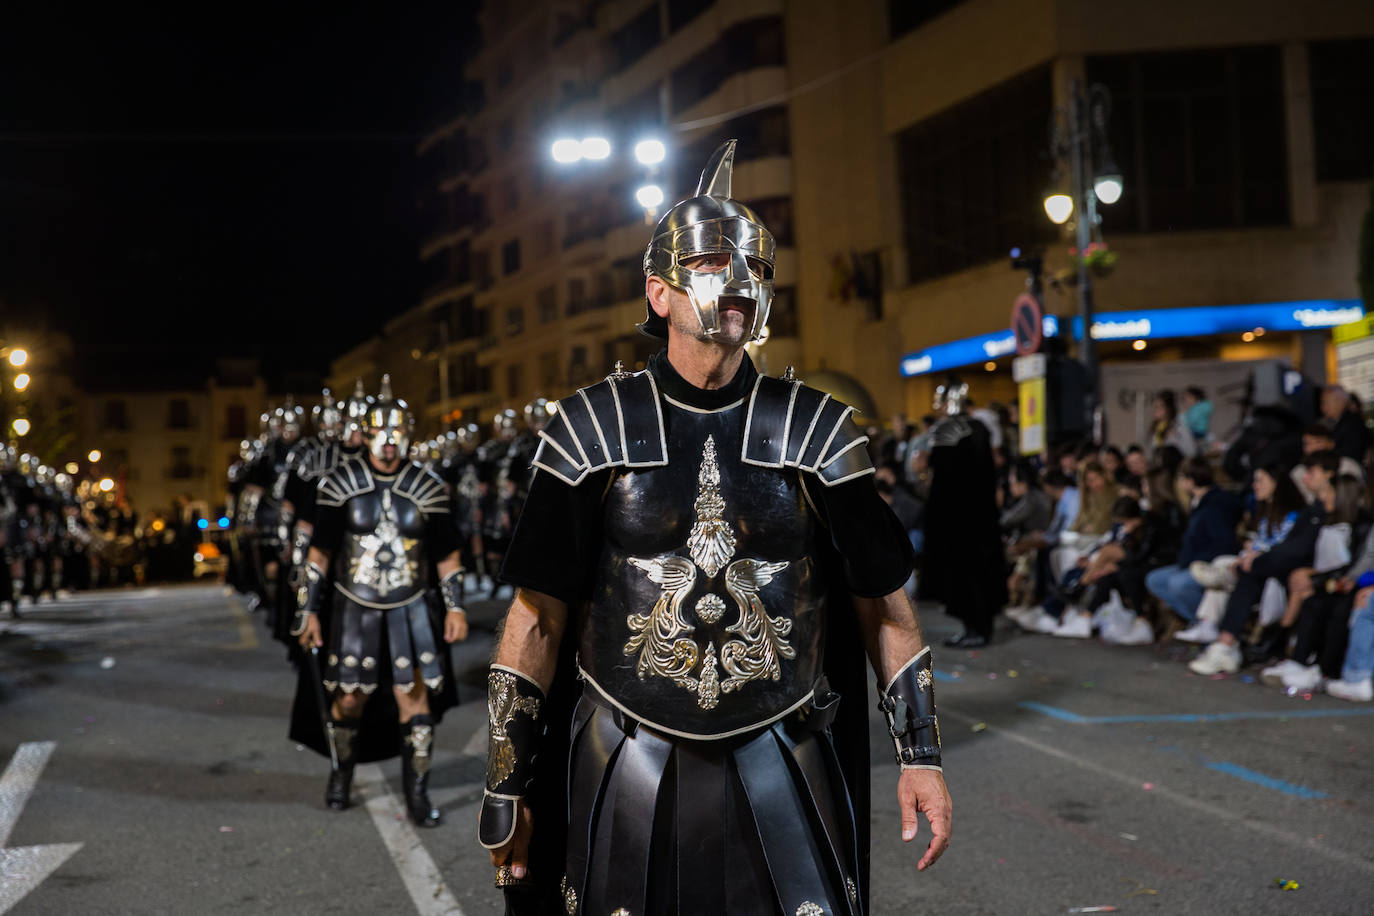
148	771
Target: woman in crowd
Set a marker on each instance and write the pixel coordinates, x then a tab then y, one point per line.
1169	428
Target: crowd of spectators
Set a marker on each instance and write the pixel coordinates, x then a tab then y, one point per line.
1260	551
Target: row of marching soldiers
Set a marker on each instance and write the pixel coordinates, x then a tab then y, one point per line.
46	540
353	542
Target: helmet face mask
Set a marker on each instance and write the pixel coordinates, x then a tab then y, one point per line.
389	423
713	223
537	414
354	414
328	418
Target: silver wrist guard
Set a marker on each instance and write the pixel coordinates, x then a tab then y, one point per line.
909	704
307	596
451	590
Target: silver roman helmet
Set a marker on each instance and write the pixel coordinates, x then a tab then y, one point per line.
537	414
289	417
355	410
389	422
503	425
951	396
327	417
712	222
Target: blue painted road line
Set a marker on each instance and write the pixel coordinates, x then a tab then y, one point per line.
1269	782
1074	718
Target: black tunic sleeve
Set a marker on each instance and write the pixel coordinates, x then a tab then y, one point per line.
557	541
875	550
329	528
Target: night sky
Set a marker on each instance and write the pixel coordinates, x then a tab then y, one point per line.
182	182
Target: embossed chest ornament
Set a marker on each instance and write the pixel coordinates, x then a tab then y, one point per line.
385	562
662	638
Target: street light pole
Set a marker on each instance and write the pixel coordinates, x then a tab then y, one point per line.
1085	207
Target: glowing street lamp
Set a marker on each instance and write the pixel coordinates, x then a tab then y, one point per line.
649	197
566	150
93	455
106	485
18	357
650	152
1058	207
20	427
21	381
595	148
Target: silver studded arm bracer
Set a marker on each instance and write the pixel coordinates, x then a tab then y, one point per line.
515	707
300	549
451	591
307	597
909	704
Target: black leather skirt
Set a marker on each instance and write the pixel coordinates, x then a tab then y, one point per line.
363	639
759	823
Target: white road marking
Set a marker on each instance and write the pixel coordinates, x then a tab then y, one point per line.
422	878
24	868
477	744
1214	811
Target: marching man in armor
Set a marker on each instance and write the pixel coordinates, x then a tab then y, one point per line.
380	523
704	550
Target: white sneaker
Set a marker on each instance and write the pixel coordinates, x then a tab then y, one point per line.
1218	658
1273	675
1304	679
1136	633
1023	617
1076	625
1357	691
1102	617
1045	623
1202	633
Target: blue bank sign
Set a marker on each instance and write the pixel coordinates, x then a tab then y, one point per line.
1147	324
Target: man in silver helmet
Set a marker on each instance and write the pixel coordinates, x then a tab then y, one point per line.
963	558
700	563
260	502
308	461
495	490
459	469
382	529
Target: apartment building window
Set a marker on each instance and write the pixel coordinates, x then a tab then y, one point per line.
548	371
181	468
577	295
776	213
116	415
481	269
744	46
636	38
178	414
546	303
760	134
515	321
909	15
235	422
972	178
1343	108
510	257
1199	136
644	108
579	373
513	382
782	314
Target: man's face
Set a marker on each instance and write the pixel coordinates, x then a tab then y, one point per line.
1135	463
736	314
1315	478
1333	402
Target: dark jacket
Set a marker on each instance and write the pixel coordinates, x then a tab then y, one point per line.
1352	436
1294	551
1211	528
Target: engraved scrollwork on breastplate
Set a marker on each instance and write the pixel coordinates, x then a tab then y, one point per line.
384	561
663	637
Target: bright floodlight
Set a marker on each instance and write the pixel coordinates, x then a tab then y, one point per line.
595	147
566	150
20	427
650	152
21	381
73	467
93	455
1059	207
1108	188
18	357
649	196
106	485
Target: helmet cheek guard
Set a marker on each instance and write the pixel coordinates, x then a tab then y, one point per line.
389	422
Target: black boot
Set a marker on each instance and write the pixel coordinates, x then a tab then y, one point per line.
341	779
417	736
1272	643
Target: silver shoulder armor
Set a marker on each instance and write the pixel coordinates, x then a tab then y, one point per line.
793	426
349	479
424	488
949	431
614	423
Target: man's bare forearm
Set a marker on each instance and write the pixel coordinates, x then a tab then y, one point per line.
892	634
530	636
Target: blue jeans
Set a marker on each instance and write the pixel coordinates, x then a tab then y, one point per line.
1177	588
1359	657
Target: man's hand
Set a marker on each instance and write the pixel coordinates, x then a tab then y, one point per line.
311	635
516	853
924	791
455	626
